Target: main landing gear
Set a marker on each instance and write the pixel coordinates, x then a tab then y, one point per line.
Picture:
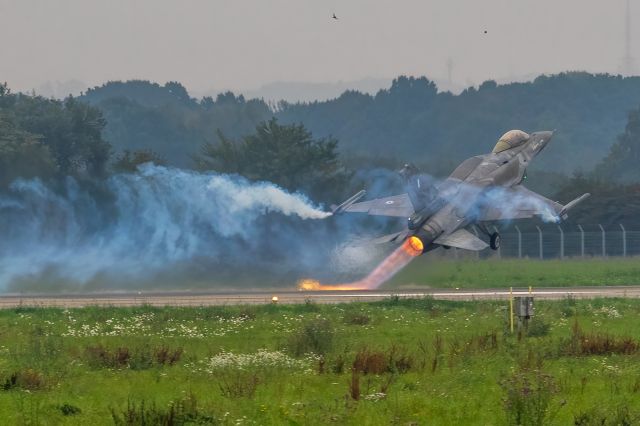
494	241
494	237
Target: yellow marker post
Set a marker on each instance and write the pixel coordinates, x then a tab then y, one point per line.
511	308
530	290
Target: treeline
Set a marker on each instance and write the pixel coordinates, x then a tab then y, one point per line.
165	119
54	139
115	127
411	120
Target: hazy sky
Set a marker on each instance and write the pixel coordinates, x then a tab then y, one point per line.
243	44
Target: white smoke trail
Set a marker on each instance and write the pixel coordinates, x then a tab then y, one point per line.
152	220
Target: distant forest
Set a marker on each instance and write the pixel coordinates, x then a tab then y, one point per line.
118	125
409	121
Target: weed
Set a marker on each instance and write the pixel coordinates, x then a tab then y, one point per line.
338	364
180	412
528	395
354	384
142	358
238	384
166	356
438	348
538	328
26	379
586	344
314	336
356	318
620	416
371	362
69	410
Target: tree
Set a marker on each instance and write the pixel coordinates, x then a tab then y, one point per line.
286	155
22	154
128	161
621	165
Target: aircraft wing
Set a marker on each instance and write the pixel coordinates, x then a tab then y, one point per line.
462	239
397	205
522	203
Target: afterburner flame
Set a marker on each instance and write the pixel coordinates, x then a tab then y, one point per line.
314	285
416	243
390	266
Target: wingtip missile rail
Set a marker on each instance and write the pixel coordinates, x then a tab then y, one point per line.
351	200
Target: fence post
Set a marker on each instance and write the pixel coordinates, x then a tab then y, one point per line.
500	247
561	242
624	241
475	231
604	241
581	240
519	242
540	242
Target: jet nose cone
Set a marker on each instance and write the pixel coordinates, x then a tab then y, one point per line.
539	140
547	134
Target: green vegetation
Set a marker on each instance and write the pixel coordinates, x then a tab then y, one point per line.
286	155
45	138
399	361
146	116
410	121
495	273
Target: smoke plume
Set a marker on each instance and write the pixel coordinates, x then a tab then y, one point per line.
160	226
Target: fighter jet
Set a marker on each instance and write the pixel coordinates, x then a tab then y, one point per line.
485	188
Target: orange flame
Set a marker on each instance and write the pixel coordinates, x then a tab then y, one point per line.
397	260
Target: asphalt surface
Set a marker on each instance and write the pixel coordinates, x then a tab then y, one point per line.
287	296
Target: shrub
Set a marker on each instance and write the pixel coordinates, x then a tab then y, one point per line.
27	379
370	362
394	360
142	358
538	328
166	356
586	344
314	336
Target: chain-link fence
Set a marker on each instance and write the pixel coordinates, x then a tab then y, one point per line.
561	241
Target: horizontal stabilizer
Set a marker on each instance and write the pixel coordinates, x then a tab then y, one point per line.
572	204
391	238
342	207
462	239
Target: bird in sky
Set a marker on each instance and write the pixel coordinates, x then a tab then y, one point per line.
334	16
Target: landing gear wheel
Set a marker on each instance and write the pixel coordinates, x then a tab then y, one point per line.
494	243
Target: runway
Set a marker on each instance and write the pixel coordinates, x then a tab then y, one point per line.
210	298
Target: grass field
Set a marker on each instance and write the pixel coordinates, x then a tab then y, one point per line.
392	362
489	273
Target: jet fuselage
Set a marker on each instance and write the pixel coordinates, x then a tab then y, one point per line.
460	194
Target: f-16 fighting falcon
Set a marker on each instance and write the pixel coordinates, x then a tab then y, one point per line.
485	188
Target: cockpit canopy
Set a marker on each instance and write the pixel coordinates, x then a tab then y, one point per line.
511	139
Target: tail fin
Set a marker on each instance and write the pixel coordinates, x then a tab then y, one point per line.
419	187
